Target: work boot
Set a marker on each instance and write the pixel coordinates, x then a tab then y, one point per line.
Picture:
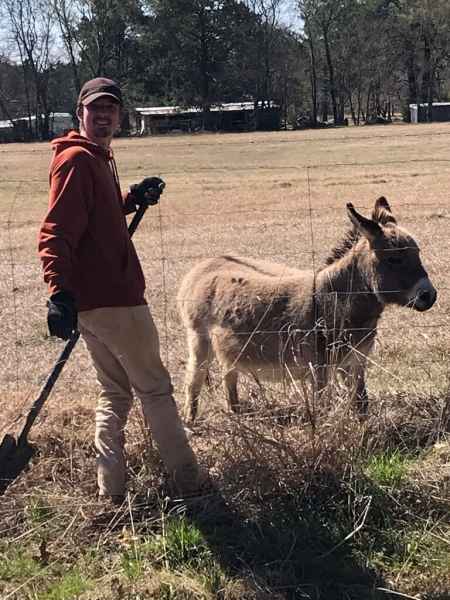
111	500
191	482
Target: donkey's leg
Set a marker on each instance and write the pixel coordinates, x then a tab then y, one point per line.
356	380
220	341
317	363
321	378
230	379
361	396
199	348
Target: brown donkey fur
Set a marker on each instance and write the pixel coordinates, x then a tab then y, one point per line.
269	320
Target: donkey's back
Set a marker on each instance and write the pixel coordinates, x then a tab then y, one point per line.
232	289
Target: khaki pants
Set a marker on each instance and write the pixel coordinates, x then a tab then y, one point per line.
124	345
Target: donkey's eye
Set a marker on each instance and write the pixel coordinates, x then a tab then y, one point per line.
394	261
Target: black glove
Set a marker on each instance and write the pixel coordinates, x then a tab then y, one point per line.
62	315
148	191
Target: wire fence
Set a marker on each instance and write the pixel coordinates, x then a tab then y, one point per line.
301	231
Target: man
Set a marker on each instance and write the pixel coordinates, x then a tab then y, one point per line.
96	282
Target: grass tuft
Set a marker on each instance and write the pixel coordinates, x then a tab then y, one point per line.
389	468
180	544
69	587
17	567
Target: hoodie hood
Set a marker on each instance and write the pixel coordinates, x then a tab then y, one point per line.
73	138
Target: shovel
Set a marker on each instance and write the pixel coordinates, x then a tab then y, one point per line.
15	455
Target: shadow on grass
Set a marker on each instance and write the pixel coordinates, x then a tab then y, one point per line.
291	547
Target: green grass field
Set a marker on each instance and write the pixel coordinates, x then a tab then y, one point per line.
334	509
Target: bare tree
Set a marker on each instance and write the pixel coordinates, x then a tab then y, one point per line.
324	17
269	13
311	42
432	19
67	13
30	24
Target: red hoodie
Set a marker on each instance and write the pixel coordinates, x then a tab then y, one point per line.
84	243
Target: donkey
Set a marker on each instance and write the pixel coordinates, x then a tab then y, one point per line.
269	320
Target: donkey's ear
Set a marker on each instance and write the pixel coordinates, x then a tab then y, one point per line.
370	229
382	212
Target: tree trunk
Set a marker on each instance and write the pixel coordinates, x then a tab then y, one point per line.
313	74
204	68
352	109
330	75
324	110
360	110
427	91
369	94
411	69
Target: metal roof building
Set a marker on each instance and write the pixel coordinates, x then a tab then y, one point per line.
230	116
20	129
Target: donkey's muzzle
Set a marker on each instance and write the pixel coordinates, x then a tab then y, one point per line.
425	298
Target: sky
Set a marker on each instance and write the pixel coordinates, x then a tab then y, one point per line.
290	15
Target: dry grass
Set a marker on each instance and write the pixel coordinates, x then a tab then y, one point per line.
293	488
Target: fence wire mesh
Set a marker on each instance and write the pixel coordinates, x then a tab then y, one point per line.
246	198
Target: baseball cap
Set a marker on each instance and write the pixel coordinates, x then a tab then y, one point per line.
98	87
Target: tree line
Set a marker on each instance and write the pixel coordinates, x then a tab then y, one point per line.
350	59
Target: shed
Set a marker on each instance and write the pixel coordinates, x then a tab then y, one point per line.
60	122
440	111
22	129
230	116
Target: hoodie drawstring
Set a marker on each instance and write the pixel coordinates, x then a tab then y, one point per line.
113	167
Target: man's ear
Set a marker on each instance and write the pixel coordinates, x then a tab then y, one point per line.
80	112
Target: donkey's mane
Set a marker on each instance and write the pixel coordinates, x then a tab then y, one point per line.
346	244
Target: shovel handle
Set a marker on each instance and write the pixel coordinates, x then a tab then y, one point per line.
47	387
65	354
137	218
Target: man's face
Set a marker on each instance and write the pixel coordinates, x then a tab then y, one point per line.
100	119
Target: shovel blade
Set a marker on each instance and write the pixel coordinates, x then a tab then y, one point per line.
14	459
